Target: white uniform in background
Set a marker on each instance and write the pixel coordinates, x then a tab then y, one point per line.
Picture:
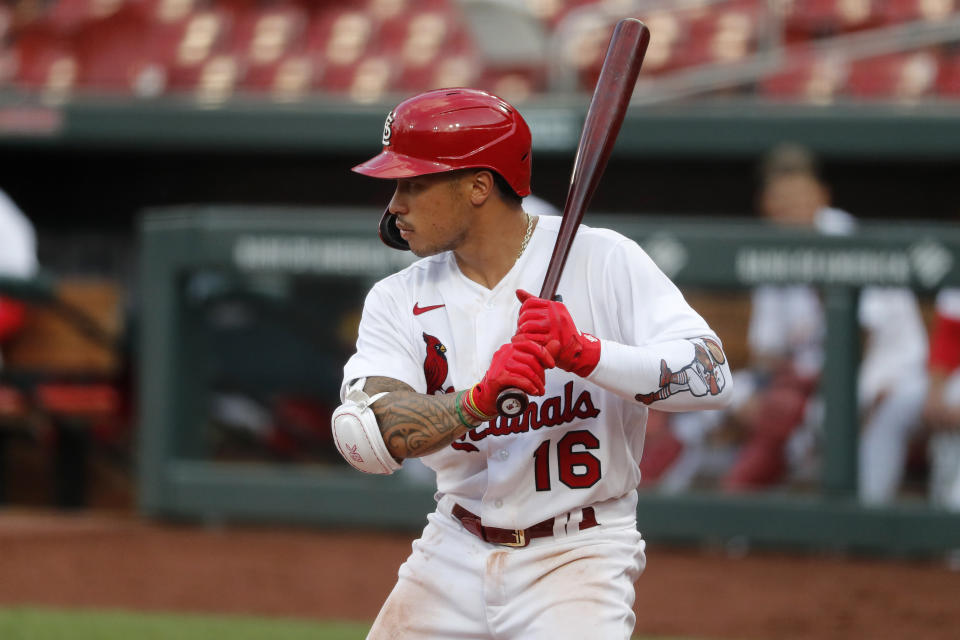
18	241
891	388
944	446
18	251
789	321
570	460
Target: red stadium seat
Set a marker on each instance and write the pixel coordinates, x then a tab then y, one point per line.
217	78
679	39
268	35
237	8
43	60
337	78
896	11
367	81
165	11
585	45
948	80
112	56
185	45
69	15
290	47
78	400
384	10
6	22
665	51
722	36
553	12
753	6
903	76
451	68
419	37
431	38
806	78
817	18
74	410
262	38
514	84
291	79
340	37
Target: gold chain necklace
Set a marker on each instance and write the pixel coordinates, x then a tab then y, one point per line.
526	237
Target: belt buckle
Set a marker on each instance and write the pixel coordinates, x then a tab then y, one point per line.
520	539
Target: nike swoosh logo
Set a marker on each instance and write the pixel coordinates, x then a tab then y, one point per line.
417	309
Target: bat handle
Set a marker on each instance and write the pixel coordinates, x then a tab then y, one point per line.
511	402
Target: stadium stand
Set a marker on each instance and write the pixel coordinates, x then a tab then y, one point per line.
63	385
287	50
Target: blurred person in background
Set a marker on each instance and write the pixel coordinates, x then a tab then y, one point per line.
942	407
18	259
775	411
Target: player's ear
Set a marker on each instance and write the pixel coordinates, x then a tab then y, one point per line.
482	186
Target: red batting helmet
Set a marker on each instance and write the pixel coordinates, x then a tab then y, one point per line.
449	129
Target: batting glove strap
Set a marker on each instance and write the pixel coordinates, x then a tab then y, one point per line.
581	355
518	364
469	407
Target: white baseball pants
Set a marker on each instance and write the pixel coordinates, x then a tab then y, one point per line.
455	586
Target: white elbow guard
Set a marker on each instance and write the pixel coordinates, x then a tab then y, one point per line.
357	435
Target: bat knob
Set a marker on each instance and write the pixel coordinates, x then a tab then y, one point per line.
511	403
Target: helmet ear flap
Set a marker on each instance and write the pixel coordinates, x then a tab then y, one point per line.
389	233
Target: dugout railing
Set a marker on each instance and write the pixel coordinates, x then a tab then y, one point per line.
181	248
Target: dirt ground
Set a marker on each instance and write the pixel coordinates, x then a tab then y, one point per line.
99	558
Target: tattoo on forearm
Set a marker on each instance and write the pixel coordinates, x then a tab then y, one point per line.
414	424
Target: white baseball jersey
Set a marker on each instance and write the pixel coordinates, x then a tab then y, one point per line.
18	241
436	330
18	248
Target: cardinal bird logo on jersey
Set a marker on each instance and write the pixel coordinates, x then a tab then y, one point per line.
435	366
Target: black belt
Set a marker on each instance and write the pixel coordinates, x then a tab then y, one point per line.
515	537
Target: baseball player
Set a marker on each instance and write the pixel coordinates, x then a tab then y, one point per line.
535	532
942	409
18	259
777	405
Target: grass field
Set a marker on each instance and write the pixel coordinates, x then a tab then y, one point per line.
57	624
60	624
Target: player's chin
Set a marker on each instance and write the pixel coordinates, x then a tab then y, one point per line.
424	250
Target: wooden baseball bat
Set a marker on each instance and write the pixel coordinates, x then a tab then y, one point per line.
618	76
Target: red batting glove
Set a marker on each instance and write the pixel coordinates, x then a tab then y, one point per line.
520	363
549	324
